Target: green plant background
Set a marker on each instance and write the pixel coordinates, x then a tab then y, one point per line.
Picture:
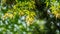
29	16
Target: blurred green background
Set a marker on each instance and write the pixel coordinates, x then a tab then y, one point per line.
29	16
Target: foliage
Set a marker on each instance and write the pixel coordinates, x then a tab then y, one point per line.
29	17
